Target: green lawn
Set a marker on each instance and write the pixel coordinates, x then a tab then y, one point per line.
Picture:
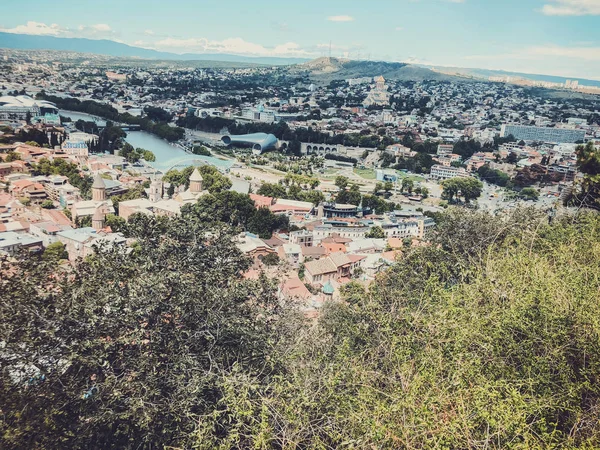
410	176
368	174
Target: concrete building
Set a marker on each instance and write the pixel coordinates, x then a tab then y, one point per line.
22	106
337	210
75	148
11	242
543	134
439	172
303	238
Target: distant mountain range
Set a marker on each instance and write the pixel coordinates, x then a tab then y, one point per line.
321	69
117	49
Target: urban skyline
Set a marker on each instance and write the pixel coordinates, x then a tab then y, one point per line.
553	37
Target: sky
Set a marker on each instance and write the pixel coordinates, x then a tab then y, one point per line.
552	37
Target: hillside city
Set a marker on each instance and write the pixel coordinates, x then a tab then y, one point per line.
329	179
356	171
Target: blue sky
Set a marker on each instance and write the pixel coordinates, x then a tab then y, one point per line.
555	37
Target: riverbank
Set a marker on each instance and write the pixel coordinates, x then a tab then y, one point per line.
168	155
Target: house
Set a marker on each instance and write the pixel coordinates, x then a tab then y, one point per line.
29	189
333	247
332	267
304	238
320	271
367	246
261	201
254	247
292	253
294	288
11	242
82	242
312	253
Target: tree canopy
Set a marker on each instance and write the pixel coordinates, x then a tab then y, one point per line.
488	338
468	188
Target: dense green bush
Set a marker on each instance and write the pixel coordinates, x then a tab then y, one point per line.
490	338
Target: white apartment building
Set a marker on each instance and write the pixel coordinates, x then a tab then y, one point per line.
439	172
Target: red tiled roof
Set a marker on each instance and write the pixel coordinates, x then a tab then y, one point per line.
261	200
333	247
356	258
293	287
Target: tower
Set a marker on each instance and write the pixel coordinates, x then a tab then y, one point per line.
156	191
196	182
380	83
98	189
98	219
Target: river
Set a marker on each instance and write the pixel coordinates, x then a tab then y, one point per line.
167	155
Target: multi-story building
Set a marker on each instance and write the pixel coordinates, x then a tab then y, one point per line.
445	149
351	232
75	148
303	238
543	134
337	210
439	172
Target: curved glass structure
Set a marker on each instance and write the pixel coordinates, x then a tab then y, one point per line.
258	141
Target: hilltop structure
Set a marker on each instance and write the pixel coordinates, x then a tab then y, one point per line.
378	95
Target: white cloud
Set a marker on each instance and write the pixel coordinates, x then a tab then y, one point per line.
36	28
572	8
577	61
149	32
582	53
231	45
399	28
101	27
42	29
340	18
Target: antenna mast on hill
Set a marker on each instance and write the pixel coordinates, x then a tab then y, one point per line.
329	49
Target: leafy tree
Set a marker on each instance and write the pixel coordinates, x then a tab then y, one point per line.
271	259
227	207
587	193
529	193
466	148
376	233
12	156
117	224
130	350
512	158
201	150
214	181
493	176
55	252
341	182
467	188
264	223
272	190
179	178
47	204
350	196
407	185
